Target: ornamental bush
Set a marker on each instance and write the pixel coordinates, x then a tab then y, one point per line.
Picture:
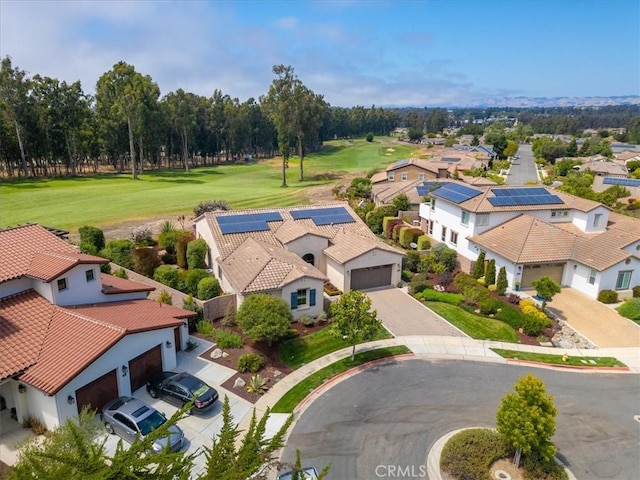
423	242
533	324
470	453
413	260
192	278
92	236
433	296
226	338
197	254
630	309
167	275
208	288
145	261
479	266
388	231
119	252
608	296
490	272
250	362
501	283
636	291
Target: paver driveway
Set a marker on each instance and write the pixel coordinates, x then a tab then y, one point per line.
403	315
596	321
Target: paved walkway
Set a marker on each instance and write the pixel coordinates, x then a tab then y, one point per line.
598	322
402	314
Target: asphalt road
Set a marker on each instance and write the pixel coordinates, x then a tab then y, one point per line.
392	415
524	169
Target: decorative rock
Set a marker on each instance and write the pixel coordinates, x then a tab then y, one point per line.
217	353
225	354
276	373
239	383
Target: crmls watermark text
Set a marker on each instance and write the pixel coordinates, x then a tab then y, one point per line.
401	471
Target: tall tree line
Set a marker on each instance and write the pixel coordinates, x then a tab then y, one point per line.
51	128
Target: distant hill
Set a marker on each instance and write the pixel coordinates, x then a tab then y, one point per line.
527	102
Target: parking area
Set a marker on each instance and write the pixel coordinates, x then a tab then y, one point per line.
403	315
199	430
600	323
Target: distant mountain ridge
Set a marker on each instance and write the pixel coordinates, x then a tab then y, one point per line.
529	102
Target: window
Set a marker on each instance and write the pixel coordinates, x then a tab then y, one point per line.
560	214
596	219
443	237
90	276
624	279
62	284
592	276
465	218
421	176
454	237
433	204
303	298
431	227
405	176
391	176
309	258
482	219
219	272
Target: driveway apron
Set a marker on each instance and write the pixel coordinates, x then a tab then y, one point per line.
403	315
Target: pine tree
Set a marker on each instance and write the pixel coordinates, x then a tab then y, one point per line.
490	273
478	268
501	284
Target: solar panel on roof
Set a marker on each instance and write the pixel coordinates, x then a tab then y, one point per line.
249	217
456	192
519	192
324	216
626	182
400	163
244	227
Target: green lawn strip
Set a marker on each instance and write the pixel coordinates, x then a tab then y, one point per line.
557	359
481	328
303	350
295	395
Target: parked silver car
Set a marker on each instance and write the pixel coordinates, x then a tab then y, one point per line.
131	418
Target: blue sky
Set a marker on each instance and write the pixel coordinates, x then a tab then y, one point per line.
354	52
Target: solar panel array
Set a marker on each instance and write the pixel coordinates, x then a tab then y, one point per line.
512	197
248	222
456	193
324	216
626	182
427	187
400	163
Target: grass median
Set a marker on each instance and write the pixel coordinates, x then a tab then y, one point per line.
295	395
560	359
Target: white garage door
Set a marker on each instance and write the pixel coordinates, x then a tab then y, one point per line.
363	278
533	272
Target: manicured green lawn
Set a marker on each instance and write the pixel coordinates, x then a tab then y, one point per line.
302	350
557	359
295	395
475	326
106	200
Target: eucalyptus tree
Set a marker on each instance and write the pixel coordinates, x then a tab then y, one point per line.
126	96
310	108
183	114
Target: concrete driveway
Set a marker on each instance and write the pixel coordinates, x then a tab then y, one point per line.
403	315
600	323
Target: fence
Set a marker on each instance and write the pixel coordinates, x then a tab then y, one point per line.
217	307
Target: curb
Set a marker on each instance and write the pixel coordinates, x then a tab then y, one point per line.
556	366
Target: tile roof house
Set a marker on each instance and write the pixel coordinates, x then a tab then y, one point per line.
537	231
291	252
72	336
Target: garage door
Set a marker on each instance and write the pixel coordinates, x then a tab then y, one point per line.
363	278
533	272
98	393
145	367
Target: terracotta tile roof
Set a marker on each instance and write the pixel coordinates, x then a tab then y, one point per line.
379	177
291	230
19	245
346	247
49	265
527	239
256	266
386	192
52	344
24	321
112	285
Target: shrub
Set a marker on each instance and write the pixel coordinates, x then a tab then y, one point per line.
35	424
250	362
226	338
141	237
489	305
208	288
165	297
168	258
533	324
474	295
322	317
423	242
197	254
181	249
395	233
119	252
433	296
229	319
408	235
406	275
145	261
470	453
413	260
391	224
92	236
375	217
190	304
307	321
168	240
167	227
427	260
204	327
490	272
445	279
210	206
385	224
630	309
419	283
369	137
88	248
263	316
257	384
121	273
501	283
636	291
192	279
608	296
536	468
510	315
479	266
462	280
513	298
167	275
446	256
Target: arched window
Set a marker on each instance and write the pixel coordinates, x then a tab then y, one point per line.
309	258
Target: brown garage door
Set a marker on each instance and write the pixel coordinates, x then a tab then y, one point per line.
363	278
533	272
99	392
144	367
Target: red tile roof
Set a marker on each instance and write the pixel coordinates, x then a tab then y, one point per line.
112	285
34	251
51	344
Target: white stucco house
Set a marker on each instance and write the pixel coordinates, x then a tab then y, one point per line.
291	252
72	336
537	231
